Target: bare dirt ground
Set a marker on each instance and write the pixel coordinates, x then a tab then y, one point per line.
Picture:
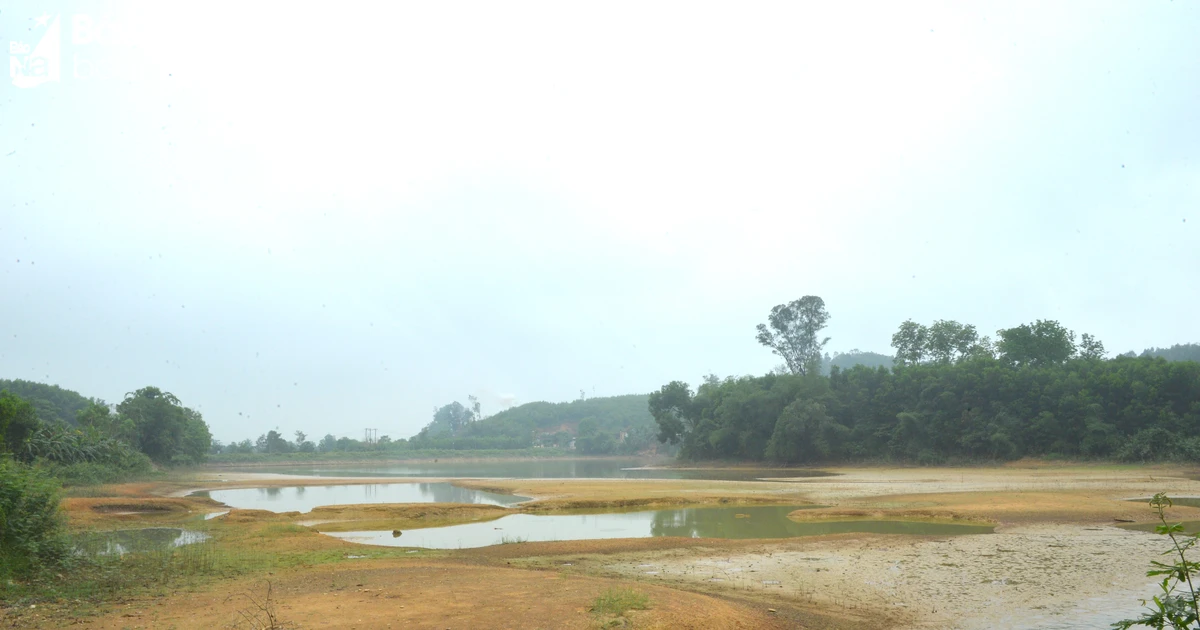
1055	561
424	594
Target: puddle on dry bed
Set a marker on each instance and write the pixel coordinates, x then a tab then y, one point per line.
1190	527
738	523
305	498
121	542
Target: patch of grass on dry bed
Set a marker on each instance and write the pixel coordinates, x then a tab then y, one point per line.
617	601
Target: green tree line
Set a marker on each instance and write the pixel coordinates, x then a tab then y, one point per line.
952	395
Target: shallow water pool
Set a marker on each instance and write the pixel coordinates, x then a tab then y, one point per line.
121	542
716	522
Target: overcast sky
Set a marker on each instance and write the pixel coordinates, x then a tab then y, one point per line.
338	219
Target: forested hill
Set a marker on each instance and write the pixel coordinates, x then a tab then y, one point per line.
612	413
601	425
609	414
51	402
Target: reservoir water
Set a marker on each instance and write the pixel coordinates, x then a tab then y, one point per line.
540	469
305	498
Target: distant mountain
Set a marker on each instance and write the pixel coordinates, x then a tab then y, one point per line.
53	403
847	360
1177	352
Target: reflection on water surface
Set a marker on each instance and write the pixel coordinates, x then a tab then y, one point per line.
304	499
549	469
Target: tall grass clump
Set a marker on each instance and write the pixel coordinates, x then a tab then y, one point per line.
97	573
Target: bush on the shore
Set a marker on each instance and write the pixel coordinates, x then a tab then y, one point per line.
31	525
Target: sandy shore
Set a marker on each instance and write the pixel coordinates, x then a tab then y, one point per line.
1124	481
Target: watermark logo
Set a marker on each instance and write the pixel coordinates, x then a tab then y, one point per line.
30	65
75	48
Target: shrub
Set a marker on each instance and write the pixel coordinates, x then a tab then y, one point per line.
1150	444
31	526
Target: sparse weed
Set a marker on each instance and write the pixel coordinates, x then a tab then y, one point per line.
261	614
1179	605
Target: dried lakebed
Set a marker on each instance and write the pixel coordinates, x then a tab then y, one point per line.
1062	556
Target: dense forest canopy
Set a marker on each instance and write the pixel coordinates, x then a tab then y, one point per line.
952	395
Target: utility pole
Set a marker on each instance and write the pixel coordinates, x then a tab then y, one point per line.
371	435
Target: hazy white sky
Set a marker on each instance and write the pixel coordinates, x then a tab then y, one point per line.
335	219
